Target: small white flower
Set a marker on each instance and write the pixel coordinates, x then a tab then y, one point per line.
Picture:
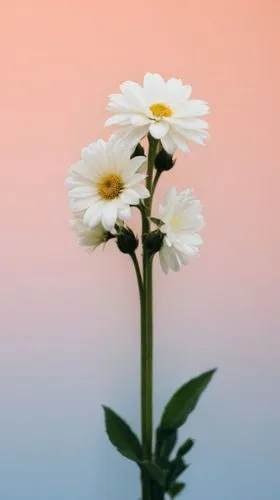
182	218
105	183
162	108
88	238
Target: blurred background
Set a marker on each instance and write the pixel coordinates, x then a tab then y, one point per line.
70	322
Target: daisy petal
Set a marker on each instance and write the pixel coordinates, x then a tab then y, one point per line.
125	213
130	196
159	129
109	215
180	142
131	138
139	120
92	216
168	144
118	119
137	162
153	80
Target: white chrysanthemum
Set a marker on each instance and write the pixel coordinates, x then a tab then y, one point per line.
105	183
88	238
182	218
162	108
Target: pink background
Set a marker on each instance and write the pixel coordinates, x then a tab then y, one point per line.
69	322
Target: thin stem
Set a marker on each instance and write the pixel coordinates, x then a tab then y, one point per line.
146	379
138	274
147	333
156	179
153	144
148	359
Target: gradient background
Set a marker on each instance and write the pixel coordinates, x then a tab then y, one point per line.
65	345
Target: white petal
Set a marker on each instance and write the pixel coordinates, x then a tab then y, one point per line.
154	88
163	261
142	191
188	91
118	104
153	80
81	170
193	107
109	215
133	179
137	162
170	195
143	168
175	91
134	135
194	124
159	129
184	258
80	205
125	213
134	94
169	258
180	142
82	192
130	196
118	119
92	216
168	144
139	120
174	260
197	137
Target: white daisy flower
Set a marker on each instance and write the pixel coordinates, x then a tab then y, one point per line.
163	109
88	238
105	183
182	218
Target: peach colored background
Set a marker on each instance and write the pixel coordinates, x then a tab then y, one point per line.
65	348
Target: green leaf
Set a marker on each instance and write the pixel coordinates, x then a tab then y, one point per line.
175	489
155	472
176	468
122	436
156	221
184	401
166	440
185	447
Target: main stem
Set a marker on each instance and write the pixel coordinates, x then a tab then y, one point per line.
147	335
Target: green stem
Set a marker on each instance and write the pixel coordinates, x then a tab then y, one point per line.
156	179
138	275
153	144
147	334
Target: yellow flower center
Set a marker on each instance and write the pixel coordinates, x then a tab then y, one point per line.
110	186
161	110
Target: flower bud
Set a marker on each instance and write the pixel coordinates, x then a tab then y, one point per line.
126	240
153	241
139	151
164	161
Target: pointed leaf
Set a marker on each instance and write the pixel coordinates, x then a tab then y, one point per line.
166	440
184	401
185	447
176	468
156	221
155	472
122	436
175	489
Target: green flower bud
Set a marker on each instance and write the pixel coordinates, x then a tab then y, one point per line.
139	151
126	240
164	161
153	241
